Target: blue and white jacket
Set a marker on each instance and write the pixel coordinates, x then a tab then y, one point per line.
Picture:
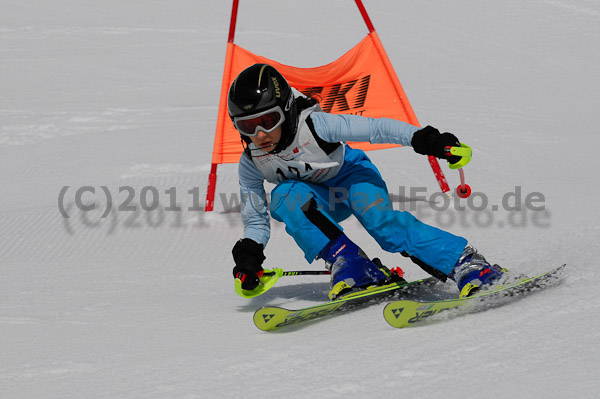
315	155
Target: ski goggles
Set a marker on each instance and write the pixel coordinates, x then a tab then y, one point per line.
265	121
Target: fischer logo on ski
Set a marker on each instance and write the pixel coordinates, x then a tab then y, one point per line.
423	315
397	312
299	317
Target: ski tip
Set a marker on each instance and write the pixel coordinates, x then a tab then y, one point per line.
268	318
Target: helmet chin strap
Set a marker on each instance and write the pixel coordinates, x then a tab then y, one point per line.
249	150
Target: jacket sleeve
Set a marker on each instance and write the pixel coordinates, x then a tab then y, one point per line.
253	202
334	128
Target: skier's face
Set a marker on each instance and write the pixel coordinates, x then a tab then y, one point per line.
267	141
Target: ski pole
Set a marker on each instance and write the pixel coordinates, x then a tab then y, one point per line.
299	273
463	190
465	152
269	278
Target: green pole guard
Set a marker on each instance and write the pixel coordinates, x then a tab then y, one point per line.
268	279
465	152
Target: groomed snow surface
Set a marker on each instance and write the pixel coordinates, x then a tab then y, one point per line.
121	98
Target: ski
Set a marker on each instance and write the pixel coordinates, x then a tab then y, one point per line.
271	318
404	313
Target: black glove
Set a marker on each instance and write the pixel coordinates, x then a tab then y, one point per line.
429	141
248	256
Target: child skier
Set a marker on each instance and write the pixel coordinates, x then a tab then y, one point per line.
289	141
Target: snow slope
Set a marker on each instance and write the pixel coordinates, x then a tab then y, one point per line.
122	97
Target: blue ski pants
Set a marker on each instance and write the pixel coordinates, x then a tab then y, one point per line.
358	189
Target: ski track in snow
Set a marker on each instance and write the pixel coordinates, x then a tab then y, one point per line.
122	97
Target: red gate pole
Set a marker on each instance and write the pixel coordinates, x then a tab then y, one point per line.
363	12
212	177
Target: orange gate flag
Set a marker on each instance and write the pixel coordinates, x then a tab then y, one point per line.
361	82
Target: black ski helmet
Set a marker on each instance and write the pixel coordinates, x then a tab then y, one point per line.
259	88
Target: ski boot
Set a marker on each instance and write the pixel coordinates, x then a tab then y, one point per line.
394	275
472	272
351	269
